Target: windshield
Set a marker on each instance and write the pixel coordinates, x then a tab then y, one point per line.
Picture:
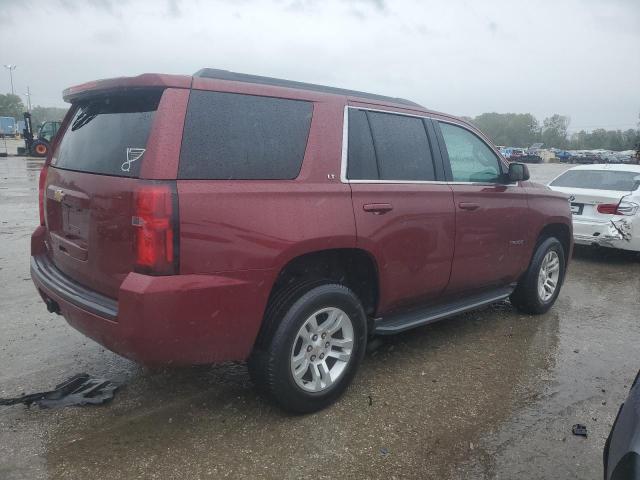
599	180
108	135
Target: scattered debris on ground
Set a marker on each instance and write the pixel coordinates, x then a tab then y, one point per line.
80	389
579	429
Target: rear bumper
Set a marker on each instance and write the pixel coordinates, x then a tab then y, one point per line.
620	232
44	272
180	319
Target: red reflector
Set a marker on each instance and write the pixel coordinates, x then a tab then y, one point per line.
608	208
41	184
155	229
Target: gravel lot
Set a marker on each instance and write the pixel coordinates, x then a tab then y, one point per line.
489	394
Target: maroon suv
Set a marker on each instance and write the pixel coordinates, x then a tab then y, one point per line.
222	216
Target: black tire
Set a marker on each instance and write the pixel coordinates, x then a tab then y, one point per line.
40	149
270	363
526	297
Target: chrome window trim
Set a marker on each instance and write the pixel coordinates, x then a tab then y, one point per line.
345	146
345	153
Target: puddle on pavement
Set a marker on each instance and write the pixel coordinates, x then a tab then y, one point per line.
426	397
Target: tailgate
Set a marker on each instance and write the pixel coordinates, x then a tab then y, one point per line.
90	185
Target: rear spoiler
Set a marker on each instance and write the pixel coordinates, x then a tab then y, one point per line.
146	80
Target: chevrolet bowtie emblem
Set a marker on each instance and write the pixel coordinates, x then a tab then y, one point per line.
58	195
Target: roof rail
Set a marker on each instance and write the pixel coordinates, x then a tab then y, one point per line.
279	82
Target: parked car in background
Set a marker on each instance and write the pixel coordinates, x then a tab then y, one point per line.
7	127
282	223
622	448
627	156
530	158
584	157
562	155
516	154
605	203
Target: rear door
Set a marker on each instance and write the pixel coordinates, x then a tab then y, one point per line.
491	231
90	184
403	208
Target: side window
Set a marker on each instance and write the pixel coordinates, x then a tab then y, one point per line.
231	136
401	146
361	163
470	158
46	132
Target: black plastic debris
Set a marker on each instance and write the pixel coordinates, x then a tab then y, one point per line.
80	389
579	429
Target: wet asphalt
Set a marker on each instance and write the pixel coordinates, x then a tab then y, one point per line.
488	394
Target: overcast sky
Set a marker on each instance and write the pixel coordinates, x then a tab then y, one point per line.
574	57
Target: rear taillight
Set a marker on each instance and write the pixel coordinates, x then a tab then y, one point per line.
156	229
608	208
41	185
622	208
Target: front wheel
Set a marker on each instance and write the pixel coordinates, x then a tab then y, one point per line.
539	287
316	343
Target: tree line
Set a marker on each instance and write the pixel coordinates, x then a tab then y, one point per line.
523	130
12	106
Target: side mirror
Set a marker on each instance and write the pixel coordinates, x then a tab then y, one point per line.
518	172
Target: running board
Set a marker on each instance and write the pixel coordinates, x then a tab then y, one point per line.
400	322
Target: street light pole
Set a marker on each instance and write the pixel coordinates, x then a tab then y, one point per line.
28	95
11	69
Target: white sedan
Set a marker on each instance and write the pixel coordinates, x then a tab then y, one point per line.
605	202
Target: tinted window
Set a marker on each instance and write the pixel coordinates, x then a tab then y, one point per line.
401	147
361	164
599	180
108	135
471	159
231	136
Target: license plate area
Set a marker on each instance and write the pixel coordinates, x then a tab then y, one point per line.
75	222
577	208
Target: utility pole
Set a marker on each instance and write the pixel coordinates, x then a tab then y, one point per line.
11	69
28	95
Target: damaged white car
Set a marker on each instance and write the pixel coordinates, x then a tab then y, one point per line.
605	202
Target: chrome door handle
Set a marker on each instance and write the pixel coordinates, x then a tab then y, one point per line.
468	206
377	208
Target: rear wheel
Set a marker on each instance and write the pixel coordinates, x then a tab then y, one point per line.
311	352
539	287
40	149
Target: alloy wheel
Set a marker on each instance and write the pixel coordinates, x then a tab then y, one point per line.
322	349
548	276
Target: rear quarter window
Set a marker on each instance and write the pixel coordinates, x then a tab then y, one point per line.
108	135
229	136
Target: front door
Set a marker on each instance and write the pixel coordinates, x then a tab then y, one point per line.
490	213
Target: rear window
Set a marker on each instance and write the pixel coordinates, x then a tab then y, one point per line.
230	136
108	135
599	180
